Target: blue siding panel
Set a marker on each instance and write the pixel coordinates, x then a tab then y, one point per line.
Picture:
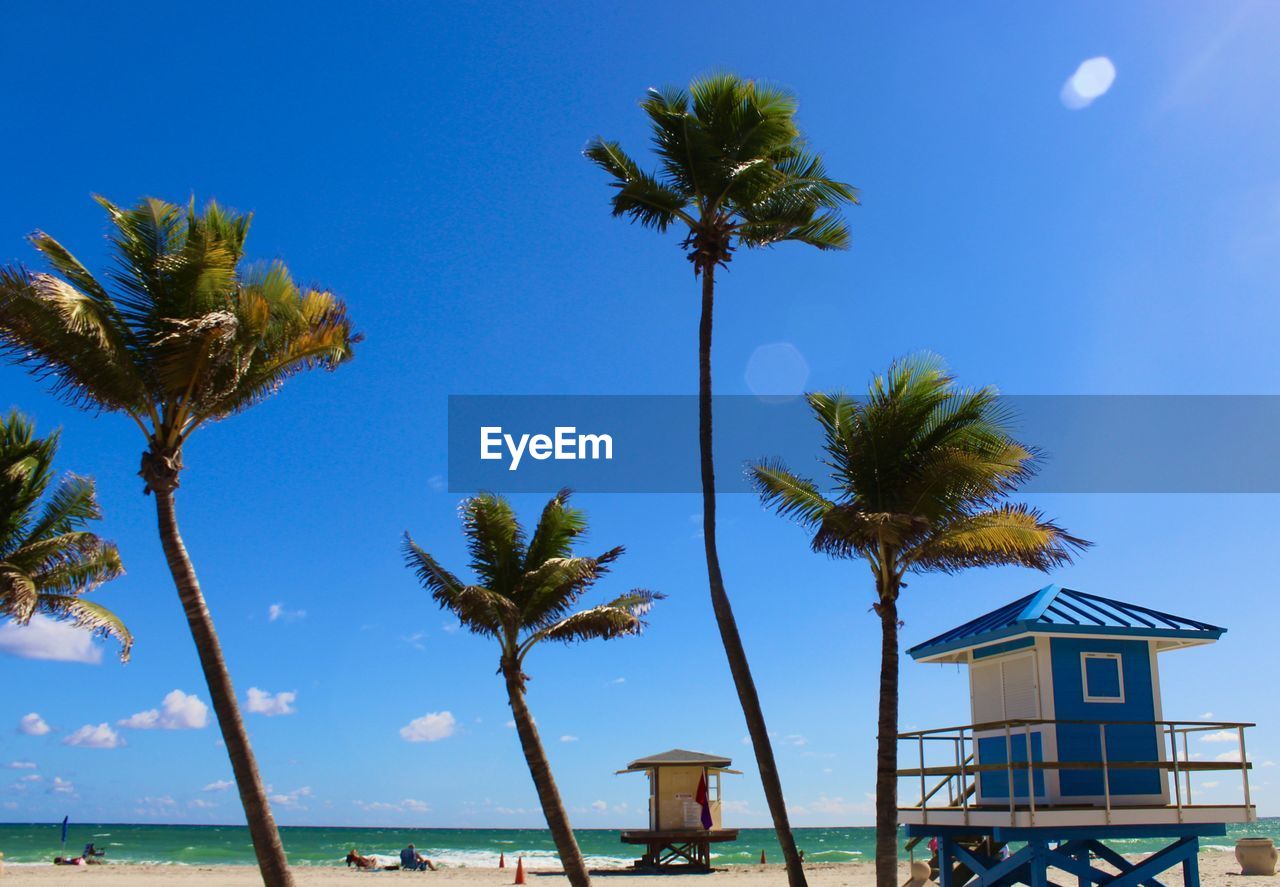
1078	742
995	785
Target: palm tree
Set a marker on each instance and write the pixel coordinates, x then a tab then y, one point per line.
524	594
180	335
922	471
48	558
735	171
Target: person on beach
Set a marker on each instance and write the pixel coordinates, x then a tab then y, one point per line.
413	861
363	863
90	852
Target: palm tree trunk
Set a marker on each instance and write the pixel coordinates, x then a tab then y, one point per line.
887	744
737	656
262	827
575	868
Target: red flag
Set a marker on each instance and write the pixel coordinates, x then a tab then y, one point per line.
702	799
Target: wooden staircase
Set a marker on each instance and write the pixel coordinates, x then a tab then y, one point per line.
979	845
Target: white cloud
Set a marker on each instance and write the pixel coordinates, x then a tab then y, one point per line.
431	727
619	680
408	805
836	806
1268	763
31	777
510	725
180	712
1090	81
20	765
201	804
1211	784
45	638
1228	756
1221	736
263	703
599	805
156	806
89	736
795	739
62	786
33	725
280	611
568	738
220	785
1207	716
293	798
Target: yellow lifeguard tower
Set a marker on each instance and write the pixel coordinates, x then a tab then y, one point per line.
684	808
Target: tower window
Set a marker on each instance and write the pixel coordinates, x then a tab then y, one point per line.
1103	676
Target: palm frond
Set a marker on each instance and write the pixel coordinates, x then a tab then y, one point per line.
89	616
551	590
788	494
557	529
82	573
481	610
72	504
850	531
495	540
639	196
19	595
604	622
1011	534
64	339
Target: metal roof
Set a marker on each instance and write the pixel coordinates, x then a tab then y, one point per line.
679	757
1057	610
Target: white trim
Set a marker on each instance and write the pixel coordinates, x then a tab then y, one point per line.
1084	676
1049	738
962	655
1157	708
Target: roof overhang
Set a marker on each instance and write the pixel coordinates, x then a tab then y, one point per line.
958	650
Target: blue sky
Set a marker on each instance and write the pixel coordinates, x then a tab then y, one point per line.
423	161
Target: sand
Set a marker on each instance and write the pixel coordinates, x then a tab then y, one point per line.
1216	869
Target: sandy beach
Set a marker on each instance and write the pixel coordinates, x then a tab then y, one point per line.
1216	868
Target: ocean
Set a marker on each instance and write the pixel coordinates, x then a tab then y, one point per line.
229	845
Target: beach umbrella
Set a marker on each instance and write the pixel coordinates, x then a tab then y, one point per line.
64	832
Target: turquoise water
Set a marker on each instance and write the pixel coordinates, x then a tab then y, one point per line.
229	845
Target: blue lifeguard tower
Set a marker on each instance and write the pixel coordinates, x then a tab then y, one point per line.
1068	746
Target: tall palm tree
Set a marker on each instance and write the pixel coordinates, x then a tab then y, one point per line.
921	471
524	593
48	557
182	333
735	172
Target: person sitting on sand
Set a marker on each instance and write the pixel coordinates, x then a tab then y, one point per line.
413	861
90	852
364	863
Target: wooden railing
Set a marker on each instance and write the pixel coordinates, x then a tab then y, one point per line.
960	777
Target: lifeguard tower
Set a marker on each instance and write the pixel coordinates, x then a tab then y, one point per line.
1068	746
684	809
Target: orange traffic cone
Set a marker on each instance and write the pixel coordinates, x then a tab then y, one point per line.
519	871
762	857
502	860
